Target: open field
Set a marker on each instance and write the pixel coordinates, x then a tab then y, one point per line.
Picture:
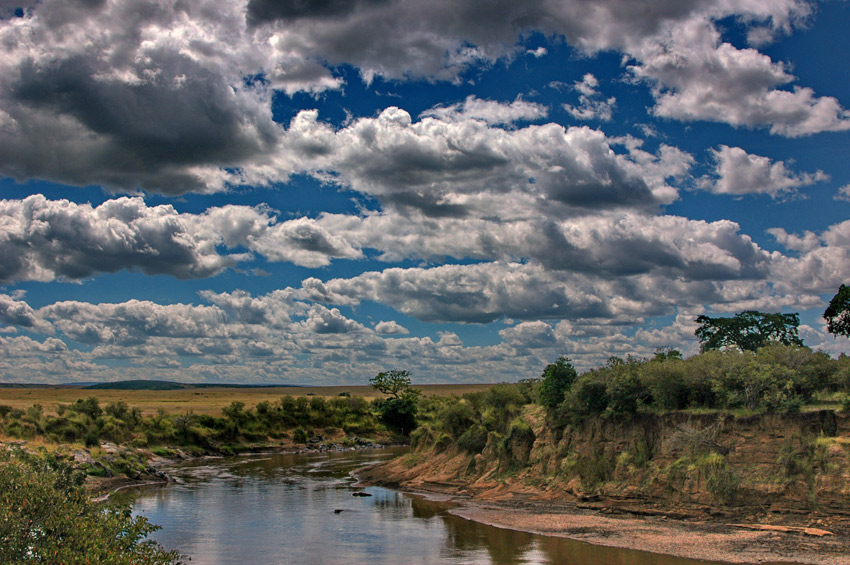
200	400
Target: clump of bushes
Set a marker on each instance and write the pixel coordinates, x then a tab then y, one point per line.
775	378
86	422
48	518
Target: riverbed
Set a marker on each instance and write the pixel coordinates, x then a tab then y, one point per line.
305	509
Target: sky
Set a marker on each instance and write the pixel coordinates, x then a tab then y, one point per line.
281	191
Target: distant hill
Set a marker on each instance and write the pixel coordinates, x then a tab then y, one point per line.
171	385
138	385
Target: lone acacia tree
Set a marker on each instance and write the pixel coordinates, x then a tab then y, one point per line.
398	411
749	330
392	383
837	314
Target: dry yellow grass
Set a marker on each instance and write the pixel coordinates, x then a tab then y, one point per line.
199	400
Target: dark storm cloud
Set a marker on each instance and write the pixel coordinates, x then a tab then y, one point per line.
184	115
263	11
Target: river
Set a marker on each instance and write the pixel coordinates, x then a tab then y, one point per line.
304	509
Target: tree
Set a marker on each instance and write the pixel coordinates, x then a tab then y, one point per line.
46	517
837	314
748	330
556	380
392	383
398	411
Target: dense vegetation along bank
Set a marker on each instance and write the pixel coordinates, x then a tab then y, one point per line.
51	464
757	438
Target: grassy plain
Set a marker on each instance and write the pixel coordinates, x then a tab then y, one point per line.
200	400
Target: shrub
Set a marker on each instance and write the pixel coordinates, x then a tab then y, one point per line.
423	436
89	406
299	435
592	469
399	413
557	379
589	397
516	446
667	384
625	392
721	480
474	439
456	417
47	518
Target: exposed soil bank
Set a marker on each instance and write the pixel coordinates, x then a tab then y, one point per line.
711	539
783	471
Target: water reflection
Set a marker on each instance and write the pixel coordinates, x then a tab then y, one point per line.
301	509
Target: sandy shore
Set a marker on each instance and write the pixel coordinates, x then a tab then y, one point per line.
711	540
696	540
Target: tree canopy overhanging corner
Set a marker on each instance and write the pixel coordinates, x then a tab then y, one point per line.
748	330
837	314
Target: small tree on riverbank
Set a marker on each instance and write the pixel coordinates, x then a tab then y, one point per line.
399	411
556	381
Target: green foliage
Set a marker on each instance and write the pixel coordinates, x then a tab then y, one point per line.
748	330
474	439
516	446
556	381
721	480
837	314
392	383
399	413
530	389
470	421
90	407
45	517
587	397
299	435
456	417
593	469
625	392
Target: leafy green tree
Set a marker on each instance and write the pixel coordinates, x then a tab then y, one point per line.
46	517
392	383
748	330
399	411
556	380
837	314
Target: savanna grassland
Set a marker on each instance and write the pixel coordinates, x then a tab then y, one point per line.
207	400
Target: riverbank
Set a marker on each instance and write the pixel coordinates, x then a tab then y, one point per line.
710	539
101	488
111	468
712	486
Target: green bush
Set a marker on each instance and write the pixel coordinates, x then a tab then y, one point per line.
456	417
721	480
625	393
46	517
299	435
556	380
516	447
474	439
588	397
593	469
399	413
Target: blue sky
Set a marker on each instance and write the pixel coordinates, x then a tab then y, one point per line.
289	192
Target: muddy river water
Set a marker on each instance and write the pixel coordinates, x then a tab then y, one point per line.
305	509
